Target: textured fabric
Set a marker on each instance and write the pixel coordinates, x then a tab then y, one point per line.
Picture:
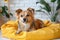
51	31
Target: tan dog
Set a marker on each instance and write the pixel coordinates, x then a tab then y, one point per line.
27	21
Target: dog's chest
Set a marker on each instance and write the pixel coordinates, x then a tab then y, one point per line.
25	27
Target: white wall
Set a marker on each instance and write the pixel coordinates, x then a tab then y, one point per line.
24	4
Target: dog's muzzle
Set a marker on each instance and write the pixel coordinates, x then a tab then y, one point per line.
25	20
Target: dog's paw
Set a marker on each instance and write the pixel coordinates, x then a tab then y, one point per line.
17	32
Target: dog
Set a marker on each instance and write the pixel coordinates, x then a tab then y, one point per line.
26	20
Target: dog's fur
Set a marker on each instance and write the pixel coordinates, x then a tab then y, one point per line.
27	21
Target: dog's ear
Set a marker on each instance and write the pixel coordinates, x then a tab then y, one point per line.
18	11
31	10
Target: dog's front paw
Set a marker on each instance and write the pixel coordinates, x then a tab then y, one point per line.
17	32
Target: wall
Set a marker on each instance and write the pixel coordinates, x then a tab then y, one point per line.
24	4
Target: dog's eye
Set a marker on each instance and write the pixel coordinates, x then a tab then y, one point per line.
27	15
21	15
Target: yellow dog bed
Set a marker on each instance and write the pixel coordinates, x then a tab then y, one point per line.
51	31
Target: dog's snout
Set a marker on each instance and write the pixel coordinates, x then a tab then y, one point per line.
24	19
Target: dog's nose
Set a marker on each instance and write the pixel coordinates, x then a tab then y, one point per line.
24	19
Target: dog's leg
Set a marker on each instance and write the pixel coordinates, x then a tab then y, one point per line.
19	29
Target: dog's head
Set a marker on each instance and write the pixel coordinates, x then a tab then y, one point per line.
25	16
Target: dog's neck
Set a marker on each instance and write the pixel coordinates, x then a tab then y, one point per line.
24	26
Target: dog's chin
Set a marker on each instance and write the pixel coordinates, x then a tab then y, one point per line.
25	22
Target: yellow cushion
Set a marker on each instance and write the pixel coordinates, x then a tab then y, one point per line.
51	31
